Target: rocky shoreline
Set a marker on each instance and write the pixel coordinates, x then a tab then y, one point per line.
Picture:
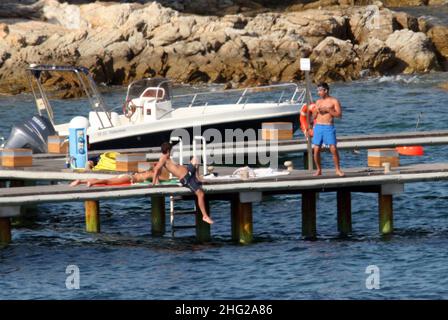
120	42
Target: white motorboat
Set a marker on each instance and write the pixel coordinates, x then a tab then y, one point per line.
151	113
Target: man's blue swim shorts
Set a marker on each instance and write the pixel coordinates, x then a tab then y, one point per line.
324	134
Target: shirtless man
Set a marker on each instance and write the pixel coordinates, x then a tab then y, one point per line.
327	108
188	177
120	179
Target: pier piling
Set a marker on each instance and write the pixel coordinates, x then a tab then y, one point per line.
92	208
242	224
344	212
309	215
305	161
385	213
157	215
5	231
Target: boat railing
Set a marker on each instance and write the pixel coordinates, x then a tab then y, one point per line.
288	93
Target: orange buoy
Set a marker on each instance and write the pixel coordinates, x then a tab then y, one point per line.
410	150
303	118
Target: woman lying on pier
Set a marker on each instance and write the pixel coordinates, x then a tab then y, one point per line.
117	180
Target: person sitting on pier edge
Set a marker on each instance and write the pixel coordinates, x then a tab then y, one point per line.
117	180
188	176
327	108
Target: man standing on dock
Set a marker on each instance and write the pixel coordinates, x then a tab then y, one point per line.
327	108
188	177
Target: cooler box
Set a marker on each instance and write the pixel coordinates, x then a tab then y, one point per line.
276	130
17	158
129	162
376	157
57	144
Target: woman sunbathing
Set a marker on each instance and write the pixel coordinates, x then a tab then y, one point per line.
120	179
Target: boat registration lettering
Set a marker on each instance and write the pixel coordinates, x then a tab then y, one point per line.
111	131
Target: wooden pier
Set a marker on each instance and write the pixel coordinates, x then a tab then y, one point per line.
242	194
426	138
423	138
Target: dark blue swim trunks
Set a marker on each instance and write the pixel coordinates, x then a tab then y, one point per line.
190	180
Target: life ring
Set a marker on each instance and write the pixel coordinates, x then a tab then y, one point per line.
129	108
303	119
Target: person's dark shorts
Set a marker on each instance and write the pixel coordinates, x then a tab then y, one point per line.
190	180
95	160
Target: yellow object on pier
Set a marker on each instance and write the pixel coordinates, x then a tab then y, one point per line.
107	162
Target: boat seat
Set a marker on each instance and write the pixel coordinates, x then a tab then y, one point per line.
149	95
153	93
140	102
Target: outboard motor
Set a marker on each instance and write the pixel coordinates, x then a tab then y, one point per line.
31	134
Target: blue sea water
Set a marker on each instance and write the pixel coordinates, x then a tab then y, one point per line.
126	262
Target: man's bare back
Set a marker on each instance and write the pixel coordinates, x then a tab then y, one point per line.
176	169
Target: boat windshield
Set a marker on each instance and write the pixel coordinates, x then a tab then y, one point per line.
157	88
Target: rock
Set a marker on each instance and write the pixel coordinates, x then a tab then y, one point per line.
314	25
109	16
334	60
120	42
147	18
97	40
414	51
437	2
406	21
371	22
424	24
120	50
137	43
150	63
188	49
69	16
213	41
439	37
376	57
4	30
101	67
404	3
16	40
443	86
165	35
4	55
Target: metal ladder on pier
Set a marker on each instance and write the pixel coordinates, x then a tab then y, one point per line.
185	212
176	212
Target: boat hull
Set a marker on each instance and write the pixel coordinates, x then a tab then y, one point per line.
155	139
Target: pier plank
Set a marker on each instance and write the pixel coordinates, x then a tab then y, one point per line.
386	140
298	180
